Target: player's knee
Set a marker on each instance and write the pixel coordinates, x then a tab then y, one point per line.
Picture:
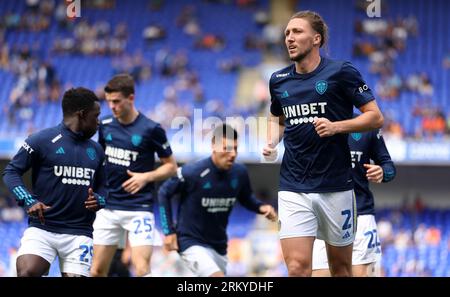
360	271
141	268
340	267
97	271
299	268
141	265
342	271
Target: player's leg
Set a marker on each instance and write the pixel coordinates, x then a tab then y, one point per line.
203	262
31	266
320	260
35	253
371	269
361	270
141	235
107	236
337	225
140	259
321	273
297	231
366	248
101	260
340	259
297	254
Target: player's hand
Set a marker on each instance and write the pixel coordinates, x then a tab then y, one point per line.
136	182
268	211
37	210
374	173
170	242
91	203
270	153
324	127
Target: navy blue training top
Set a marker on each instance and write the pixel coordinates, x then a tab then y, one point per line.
312	164
207	196
64	165
131	147
365	147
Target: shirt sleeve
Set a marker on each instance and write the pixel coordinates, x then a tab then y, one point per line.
169	189
99	186
27	157
355	88
275	105
160	142
246	196
380	155
101	137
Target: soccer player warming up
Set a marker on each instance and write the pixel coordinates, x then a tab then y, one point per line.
68	187
208	190
311	109
130	140
366	258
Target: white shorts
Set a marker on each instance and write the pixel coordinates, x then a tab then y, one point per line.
110	228
327	216
74	251
366	247
203	261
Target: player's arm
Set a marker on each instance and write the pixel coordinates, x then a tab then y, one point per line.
249	201
101	138
168	166
26	157
167	169
384	169
275	128
371	118
96	198
138	180
169	189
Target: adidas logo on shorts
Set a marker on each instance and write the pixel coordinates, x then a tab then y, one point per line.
346	235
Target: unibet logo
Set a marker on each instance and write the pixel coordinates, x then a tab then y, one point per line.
304	113
120	156
74	175
218	204
356	157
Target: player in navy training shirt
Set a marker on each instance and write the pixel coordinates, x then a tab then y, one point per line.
68	187
208	190
130	140
366	247
312	108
